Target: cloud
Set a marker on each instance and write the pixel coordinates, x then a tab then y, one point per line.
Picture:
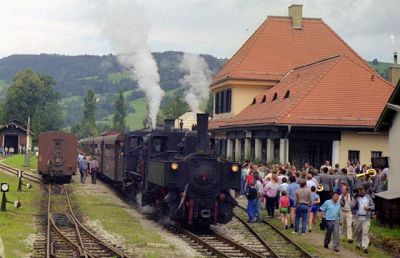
198	26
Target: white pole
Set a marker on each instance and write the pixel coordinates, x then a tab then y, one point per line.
27	134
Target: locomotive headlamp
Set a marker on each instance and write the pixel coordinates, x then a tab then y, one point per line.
174	166
235	168
4	187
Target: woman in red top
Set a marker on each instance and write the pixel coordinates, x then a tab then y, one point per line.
249	179
284	208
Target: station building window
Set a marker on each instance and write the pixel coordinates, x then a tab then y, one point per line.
354	156
223	101
376	154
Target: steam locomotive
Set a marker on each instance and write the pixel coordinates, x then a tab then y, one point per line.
172	169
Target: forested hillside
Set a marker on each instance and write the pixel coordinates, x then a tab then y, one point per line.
103	74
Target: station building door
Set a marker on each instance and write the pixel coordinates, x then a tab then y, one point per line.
314	152
11	141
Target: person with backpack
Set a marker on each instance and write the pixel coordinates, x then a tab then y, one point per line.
251	195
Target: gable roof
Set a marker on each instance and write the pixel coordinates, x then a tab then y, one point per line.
334	91
15	124
275	48
392	106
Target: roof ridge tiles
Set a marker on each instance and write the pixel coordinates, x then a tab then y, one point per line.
288	17
325	59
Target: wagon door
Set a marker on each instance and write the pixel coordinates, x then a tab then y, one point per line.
133	145
102	157
119	160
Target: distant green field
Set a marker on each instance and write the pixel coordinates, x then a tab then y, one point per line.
89	78
68	99
117	77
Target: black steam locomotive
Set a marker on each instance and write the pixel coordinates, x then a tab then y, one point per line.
173	169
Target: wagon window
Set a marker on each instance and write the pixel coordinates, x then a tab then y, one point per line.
135	142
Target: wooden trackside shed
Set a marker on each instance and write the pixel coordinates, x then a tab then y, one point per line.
14	134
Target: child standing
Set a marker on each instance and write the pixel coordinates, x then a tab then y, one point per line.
314	208
284	208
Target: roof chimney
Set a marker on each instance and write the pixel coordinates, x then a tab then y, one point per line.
296	13
395	57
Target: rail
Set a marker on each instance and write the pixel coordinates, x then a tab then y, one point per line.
278	251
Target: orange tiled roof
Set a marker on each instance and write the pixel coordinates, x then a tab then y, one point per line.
335	91
275	48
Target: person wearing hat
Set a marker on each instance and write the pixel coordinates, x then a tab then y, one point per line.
362	207
331	211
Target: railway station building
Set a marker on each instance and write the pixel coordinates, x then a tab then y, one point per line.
14	134
296	92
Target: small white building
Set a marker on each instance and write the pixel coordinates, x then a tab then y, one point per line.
388	202
188	119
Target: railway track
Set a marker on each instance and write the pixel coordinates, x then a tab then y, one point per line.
213	244
65	235
278	244
27	175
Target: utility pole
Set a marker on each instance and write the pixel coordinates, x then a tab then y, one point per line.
27	157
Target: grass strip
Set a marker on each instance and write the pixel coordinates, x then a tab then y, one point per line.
17	161
122	222
17	226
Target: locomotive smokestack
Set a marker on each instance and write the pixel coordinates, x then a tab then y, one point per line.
169	124
203	140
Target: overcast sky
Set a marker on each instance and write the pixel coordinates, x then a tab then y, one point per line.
217	27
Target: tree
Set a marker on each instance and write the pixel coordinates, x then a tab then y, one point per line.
87	127
119	117
174	107
210	105
32	95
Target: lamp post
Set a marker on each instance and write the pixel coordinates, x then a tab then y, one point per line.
19	189
20	176
4	188
27	158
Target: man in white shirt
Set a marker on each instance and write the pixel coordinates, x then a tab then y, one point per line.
346	217
362	206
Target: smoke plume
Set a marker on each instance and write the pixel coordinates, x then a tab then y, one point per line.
196	81
393	43
125	25
146	209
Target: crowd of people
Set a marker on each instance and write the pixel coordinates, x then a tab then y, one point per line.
87	165
343	198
